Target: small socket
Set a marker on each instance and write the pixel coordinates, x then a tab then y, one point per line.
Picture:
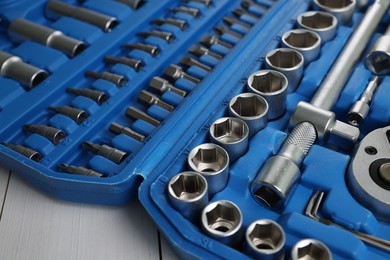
310	249
25	151
323	23
77	115
55	135
78	170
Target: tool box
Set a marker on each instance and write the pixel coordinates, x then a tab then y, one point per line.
102	101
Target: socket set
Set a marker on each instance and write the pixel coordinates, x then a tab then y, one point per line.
248	129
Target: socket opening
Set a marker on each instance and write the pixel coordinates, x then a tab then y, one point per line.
336	4
249	105
310	249
37	78
268	82
102	98
265	235
209	158
111	25
35	156
79	48
267	196
81	117
301	39
187	186
229	130
378	62
318	20
223	217
58	137
284	58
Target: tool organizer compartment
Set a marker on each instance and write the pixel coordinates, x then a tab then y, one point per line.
193	101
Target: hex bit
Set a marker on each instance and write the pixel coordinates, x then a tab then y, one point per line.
113	154
137	114
25	151
231	21
248	4
177	72
187	61
119	129
135	4
167	36
199	51
151	99
175	22
152	50
239	12
220	30
208	40
98	96
188	10
118	80
137	65
205	2
163	85
77	115
53	134
78	170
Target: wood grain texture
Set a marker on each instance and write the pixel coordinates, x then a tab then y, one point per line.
4	176
36	226
166	250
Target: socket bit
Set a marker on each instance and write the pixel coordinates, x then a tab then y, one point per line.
113	154
135	4
200	51
175	22
56	9
176	72
25	151
205	2
27	75
209	40
193	62
23	30
137	65
167	36
152	50
310	248
77	115
98	96
163	85
53	134
137	114
151	99
239	12
78	170
188	10
359	110
220	30
118	80
231	21
119	129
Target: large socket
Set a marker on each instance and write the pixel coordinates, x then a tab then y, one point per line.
310	249
341	9
323	23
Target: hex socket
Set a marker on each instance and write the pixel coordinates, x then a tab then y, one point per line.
308	43
378	58
323	23
341	9
25	151
310	249
273	87
289	62
265	239
212	162
27	75
188	194
222	220
231	134
23	30
56	9
252	109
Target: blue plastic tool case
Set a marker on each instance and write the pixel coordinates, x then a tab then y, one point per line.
152	163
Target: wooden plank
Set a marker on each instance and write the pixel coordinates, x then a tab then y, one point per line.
166	249
4	177
36	226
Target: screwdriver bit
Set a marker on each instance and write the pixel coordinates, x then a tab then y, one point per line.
53	134
25	151
223	30
175	22
119	129
167	36
78	170
77	115
113	154
193	62
231	21
152	50
163	85
177	72
199	51
239	12
137	65
118	80
188	10
98	96
205	2
151	99
209	40
135	113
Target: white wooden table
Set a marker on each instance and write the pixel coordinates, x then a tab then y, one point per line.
34	225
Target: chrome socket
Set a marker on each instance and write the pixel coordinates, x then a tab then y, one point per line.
272	86
222	220
308	43
25	151
289	62
265	239
188	194
252	109
310	249
323	23
378	58
232	135
341	9
212	161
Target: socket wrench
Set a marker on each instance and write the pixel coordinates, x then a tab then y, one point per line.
212	162
22	30
378	58
341	9
25	151
55	135
323	23
310	248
